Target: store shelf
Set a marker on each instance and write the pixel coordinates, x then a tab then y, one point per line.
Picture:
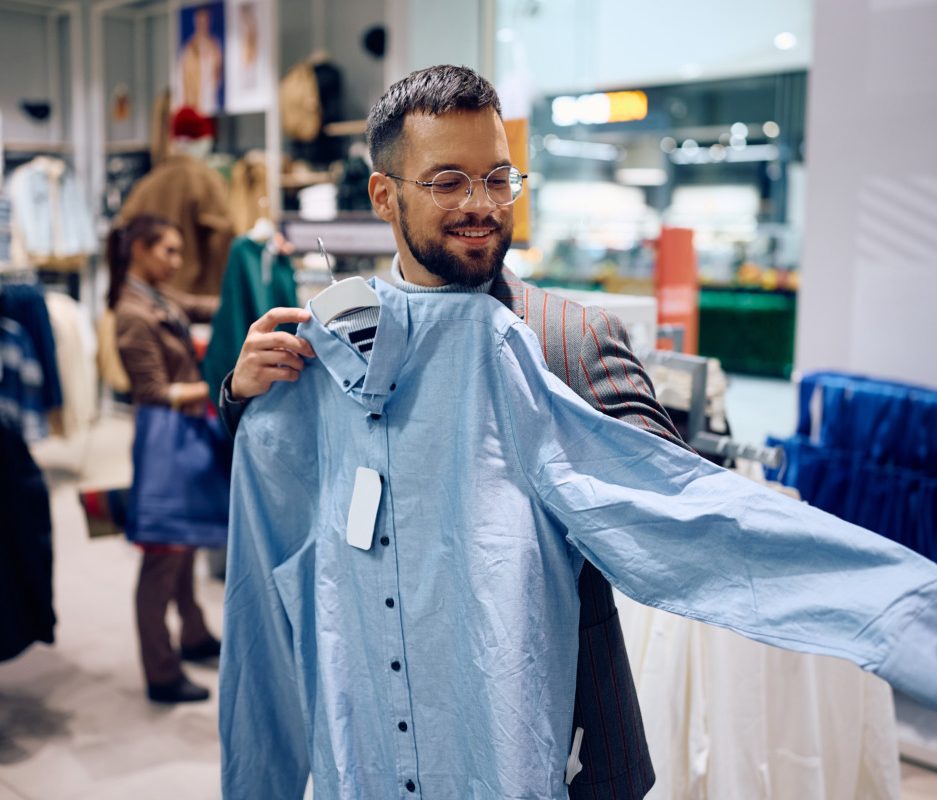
349	234
351	127
300	180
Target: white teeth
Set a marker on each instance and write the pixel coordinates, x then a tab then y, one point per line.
472	234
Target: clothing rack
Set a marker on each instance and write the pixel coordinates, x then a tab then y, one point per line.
701	440
714	444
697	368
18	275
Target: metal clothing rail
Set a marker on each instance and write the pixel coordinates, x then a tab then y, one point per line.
701	440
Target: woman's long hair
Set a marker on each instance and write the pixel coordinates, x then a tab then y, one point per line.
147	228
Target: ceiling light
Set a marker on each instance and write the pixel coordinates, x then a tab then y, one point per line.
571	148
771	129
785	41
691	70
641	176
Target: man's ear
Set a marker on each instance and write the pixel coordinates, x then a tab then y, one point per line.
383	196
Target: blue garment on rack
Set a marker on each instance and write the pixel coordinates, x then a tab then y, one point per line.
21	382
441	662
866	450
50	210
25	304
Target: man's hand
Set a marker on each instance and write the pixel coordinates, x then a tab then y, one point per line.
270	355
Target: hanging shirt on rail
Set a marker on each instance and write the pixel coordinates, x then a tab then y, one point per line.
436	663
256	279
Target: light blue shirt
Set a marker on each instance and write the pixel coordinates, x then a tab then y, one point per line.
441	662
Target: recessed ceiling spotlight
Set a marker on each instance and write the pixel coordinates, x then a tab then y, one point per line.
771	129
785	41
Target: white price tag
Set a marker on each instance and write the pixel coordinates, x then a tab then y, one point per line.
365	500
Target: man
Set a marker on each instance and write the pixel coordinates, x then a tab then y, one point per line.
488	712
191	195
448	118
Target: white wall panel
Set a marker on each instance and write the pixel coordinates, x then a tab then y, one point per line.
870	252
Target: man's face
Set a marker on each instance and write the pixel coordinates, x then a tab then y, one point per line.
467	245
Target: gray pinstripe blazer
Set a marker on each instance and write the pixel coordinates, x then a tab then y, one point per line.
589	349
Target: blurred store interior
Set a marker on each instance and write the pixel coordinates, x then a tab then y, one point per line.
750	187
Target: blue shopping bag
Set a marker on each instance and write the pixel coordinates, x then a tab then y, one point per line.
181	479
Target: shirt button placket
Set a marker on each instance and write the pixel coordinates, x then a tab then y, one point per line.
394	645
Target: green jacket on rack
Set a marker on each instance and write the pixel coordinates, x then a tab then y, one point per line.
255	281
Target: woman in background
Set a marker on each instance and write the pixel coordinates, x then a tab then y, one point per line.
152	325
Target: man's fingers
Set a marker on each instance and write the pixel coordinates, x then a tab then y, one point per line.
268	358
273	374
279	316
278	340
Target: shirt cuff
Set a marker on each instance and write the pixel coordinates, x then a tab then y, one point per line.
911	664
227	396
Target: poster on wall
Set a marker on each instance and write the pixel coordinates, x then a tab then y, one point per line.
200	78
247	56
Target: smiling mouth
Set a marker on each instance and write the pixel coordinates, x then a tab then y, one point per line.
473	233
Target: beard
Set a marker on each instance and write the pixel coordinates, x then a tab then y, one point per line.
473	269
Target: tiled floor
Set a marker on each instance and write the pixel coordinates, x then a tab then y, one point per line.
74	723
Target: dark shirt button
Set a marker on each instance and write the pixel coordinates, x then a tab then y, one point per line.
393	386
375	416
395	666
385	541
346	384
402	726
411	786
389	602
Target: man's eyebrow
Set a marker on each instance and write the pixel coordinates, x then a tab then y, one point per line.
432	171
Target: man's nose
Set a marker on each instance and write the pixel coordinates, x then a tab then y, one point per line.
479	198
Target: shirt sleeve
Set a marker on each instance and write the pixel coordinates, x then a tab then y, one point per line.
673	531
261	718
197	307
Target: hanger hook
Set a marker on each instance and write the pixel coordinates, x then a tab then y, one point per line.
324	253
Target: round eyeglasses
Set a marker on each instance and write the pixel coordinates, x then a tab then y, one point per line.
451	189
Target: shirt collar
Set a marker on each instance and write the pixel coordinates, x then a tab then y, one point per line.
366	381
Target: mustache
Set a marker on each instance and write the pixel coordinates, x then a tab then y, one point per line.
474	222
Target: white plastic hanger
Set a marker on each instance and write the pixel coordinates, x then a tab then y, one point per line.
342	297
262	230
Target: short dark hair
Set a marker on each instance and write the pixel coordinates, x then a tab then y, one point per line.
434	91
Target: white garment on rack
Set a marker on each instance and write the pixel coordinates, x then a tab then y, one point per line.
75	358
726	717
